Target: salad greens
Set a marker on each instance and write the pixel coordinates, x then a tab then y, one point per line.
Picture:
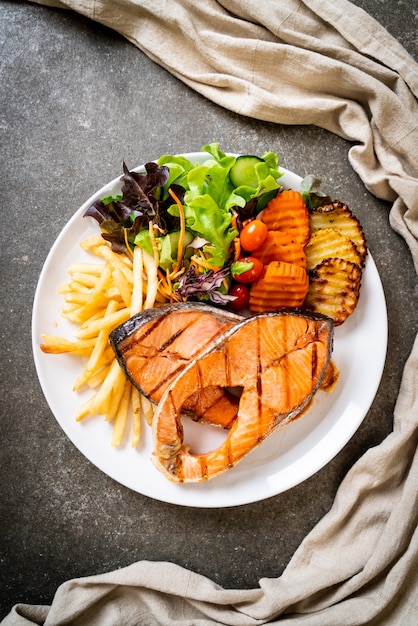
198	206
122	216
207	285
309	190
211	201
240	267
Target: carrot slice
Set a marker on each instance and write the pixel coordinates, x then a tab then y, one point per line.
287	212
281	285
280	246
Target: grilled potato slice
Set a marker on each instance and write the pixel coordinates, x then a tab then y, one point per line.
334	289
339	217
328	243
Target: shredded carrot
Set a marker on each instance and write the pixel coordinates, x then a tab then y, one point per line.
164	285
180	250
163	278
237	248
202	262
287	212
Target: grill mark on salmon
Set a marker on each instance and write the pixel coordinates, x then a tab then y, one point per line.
259	382
154	392
314	360
171	340
154	346
134	338
278	358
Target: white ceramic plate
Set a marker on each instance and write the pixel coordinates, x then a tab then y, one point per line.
284	460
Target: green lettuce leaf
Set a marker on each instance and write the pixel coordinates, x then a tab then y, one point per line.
311	194
205	218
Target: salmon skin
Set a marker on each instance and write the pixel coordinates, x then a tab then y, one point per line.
277	358
155	345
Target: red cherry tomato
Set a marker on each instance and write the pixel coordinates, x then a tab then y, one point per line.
253	235
242	297
250	275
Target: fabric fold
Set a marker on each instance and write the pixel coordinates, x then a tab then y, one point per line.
292	62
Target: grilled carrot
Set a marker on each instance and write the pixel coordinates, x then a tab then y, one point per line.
287	212
281	285
280	246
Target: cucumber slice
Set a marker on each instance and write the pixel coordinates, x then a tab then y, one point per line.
243	171
169	245
174	237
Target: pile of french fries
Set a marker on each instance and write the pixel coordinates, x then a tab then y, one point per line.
97	298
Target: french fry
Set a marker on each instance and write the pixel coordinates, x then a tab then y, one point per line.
116	396
121	416
98	297
113	293
113	259
95	241
95	361
58	345
78	287
137	292
87	408
97	379
77	297
123	286
96	316
64	288
84	279
109	322
147	409
69	309
90	269
100	401
136	416
152	277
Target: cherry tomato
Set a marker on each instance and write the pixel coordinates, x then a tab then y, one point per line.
253	235
242	297
250	275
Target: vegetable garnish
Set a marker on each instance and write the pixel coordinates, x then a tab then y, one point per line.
311	194
211	225
247	269
205	286
188	217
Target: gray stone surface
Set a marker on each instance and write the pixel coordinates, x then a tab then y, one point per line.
76	100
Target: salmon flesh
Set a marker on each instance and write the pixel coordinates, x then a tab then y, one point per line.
155	345
278	359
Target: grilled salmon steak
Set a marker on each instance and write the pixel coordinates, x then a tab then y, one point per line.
277	358
154	346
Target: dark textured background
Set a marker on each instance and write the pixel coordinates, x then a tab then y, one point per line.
76	100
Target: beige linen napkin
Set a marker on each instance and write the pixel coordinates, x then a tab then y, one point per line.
292	62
